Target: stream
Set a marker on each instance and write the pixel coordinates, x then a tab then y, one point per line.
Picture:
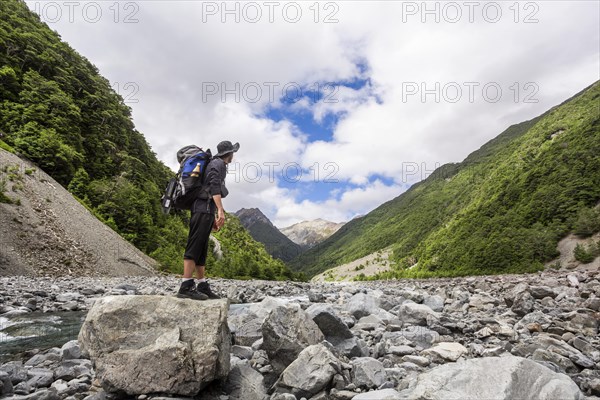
36	330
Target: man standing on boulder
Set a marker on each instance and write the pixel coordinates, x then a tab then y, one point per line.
203	221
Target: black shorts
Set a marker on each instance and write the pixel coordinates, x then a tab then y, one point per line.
197	245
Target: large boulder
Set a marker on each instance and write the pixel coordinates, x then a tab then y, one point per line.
361	304
245	383
335	330
311	372
446	351
368	372
287	331
148	344
494	378
416	314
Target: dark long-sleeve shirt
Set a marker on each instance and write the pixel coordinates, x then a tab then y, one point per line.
214	184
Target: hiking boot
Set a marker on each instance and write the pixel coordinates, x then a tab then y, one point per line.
204	289
187	290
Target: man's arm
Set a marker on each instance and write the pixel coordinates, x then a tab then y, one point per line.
220	211
214	181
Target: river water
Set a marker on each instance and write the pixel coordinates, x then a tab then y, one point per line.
21	333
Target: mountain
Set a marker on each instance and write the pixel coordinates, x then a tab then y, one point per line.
59	113
46	231
502	210
263	231
309	233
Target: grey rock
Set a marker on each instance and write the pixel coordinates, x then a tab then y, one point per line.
286	332
341	395
417	360
243	382
70	350
315	296
413	295
283	396
385	394
43	394
243	352
6	386
329	322
509	297
36	360
173	346
268	304
586	348
592	303
562	362
536	317
368	372
483	301
401	350
311	372
369	323
494	378
126	287
415	314
15	371
446	351
40	377
582	321
22	388
246	328
420	335
523	304
539	292
71	369
361	304
435	302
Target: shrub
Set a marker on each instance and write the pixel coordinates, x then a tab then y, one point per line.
358	268
5	146
585	254
587	223
4	198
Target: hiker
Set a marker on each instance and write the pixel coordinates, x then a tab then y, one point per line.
203	222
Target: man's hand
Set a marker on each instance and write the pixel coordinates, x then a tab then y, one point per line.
220	218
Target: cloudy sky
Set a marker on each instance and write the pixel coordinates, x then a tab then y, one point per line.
338	106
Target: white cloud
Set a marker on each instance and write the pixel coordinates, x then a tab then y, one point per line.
172	55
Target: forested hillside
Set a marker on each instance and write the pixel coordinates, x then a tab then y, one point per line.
59	112
503	209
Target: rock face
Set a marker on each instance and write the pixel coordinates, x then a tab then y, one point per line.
169	345
310	233
494	378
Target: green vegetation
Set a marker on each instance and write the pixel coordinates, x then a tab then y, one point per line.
59	112
588	222
359	267
276	243
3	197
587	254
502	210
6	147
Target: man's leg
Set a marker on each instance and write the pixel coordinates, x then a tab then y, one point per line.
192	249
188	268
199	271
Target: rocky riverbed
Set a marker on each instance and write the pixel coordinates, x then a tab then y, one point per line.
512	336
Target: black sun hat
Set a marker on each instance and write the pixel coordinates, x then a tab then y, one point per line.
226	147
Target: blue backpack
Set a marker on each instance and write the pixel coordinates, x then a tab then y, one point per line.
188	184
